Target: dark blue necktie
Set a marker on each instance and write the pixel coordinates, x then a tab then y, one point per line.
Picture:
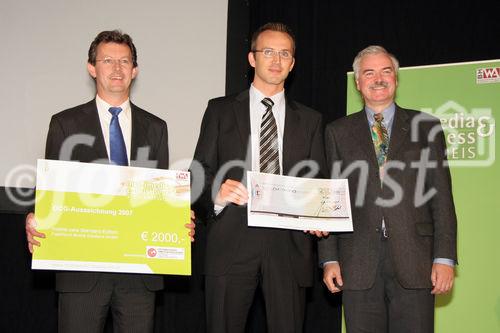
117	149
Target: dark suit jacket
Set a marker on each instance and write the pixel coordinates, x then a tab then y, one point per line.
417	233
147	131
224	137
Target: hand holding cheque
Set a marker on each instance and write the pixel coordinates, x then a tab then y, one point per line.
316	206
31	231
128	219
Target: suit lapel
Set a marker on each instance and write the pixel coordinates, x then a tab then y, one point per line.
399	132
292	121
241	111
139	131
361	135
89	121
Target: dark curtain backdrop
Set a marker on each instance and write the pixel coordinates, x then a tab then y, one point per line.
329	34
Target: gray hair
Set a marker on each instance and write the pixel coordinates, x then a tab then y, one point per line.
370	50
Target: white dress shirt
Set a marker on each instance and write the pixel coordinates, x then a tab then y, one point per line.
124	118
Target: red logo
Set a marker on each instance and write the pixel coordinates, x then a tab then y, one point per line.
152	252
182	175
488	75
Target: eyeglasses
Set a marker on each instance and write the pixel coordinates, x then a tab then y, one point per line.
271	53
124	62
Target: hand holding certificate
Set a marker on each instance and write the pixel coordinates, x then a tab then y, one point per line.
112	219
298	203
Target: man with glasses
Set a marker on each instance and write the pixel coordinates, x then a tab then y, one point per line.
119	129
261	130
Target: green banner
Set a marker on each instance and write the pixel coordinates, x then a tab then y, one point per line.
466	97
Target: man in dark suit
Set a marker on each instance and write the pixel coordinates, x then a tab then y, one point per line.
89	133
236	136
403	248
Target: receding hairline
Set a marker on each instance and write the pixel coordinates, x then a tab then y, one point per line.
276	27
290	38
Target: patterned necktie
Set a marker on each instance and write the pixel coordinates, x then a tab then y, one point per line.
268	148
117	149
380	141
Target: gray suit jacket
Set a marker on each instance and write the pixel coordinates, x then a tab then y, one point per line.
147	131
417	232
224	137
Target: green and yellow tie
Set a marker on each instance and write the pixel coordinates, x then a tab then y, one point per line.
380	141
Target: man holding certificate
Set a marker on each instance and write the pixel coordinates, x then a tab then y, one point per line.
260	130
118	130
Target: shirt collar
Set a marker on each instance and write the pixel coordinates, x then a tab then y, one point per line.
103	107
388	114
278	99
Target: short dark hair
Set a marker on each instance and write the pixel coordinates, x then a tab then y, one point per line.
112	36
273	26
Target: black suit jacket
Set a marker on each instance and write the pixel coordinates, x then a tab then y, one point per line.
147	131
417	233
224	138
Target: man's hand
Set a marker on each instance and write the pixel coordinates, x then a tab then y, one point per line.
31	232
332	277
191	226
232	191
317	233
442	277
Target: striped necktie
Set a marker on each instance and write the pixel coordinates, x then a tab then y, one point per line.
268	148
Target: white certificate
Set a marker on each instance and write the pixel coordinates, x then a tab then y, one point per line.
298	203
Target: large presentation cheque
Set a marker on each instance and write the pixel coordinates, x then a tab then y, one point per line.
109	218
298	203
